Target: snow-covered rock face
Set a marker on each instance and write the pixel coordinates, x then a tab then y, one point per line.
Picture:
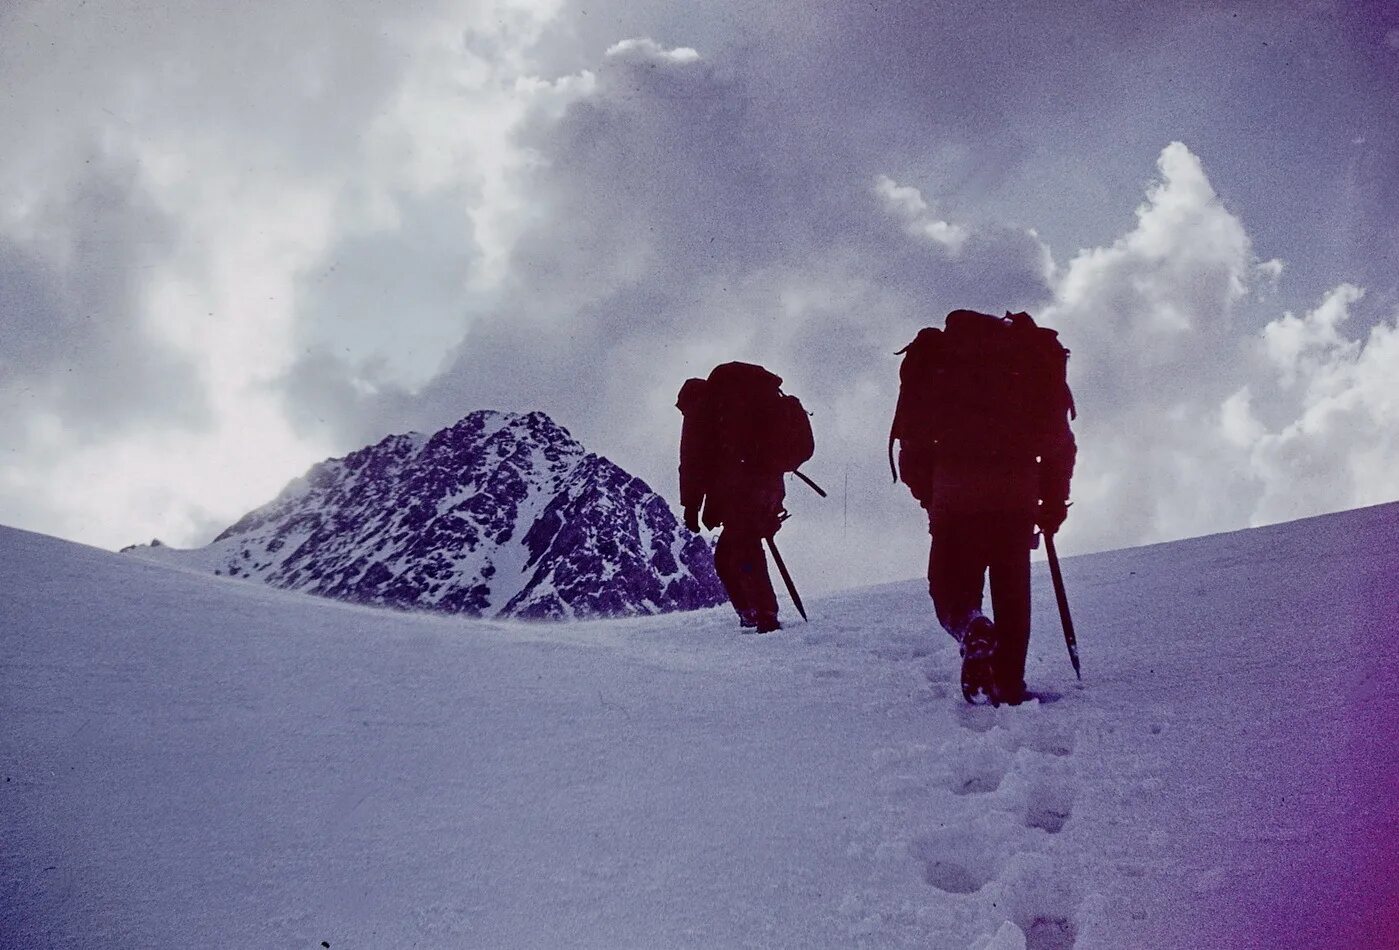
499	515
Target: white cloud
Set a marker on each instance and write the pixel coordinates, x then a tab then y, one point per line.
1297	345
259	141
1165	425
1184	267
1188	425
645	48
336	226
1237	422
1339	446
676	223
909	205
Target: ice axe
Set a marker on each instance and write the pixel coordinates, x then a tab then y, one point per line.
1069	639
814	487
786	577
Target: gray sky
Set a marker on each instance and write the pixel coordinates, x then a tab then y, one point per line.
236	241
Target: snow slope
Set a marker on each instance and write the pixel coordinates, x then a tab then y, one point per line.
194	761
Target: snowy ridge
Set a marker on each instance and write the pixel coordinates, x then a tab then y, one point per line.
499	515
190	760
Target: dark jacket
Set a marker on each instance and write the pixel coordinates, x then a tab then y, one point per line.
962	485
729	491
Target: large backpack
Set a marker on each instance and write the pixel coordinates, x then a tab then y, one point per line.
985	388
747	419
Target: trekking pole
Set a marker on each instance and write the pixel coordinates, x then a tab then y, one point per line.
1069	639
786	578
814	487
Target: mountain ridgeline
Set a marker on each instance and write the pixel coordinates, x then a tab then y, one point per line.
500	515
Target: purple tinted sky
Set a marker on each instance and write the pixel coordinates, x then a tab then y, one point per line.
234	243
1051	107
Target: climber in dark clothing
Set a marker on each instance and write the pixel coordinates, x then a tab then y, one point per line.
982	516
983	418
740	434
748	504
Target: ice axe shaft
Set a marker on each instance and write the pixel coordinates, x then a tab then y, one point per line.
1069	639
814	487
786	577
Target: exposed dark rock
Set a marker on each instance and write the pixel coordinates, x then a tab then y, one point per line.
498	515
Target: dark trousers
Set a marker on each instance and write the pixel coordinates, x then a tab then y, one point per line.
965	548
743	568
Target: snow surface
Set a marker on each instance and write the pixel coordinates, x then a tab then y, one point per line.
198	762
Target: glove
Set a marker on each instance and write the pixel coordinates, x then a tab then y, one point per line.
1051	515
692	519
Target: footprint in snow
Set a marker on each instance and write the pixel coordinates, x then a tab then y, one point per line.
1049	806
1050	933
1038	895
952	863
1049	739
977	769
974	718
979	782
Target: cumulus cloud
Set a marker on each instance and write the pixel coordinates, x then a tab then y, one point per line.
1181	270
676	224
909	205
1149	319
1298	345
194	202
1339	444
323	225
648	50
1189	425
77	341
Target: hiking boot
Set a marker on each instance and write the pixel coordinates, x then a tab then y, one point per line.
978	666
767	623
1012	695
748	619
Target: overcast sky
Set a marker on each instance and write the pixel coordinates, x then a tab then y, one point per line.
238	239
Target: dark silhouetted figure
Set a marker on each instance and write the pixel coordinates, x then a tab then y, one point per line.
740	434
985	446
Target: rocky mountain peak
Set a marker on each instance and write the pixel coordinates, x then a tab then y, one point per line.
501	514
